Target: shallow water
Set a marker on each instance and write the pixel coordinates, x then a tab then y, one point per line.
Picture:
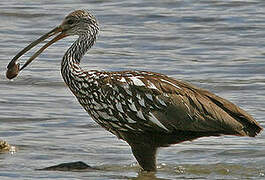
217	45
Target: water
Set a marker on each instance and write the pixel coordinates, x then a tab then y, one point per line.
217	45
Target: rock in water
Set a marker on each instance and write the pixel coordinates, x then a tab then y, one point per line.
5	147
72	166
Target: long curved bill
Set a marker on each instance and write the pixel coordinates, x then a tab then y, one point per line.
13	67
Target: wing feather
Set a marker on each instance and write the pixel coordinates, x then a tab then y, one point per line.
180	106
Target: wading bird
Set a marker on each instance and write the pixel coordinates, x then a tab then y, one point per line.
148	110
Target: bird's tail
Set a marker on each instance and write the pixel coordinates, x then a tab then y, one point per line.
250	126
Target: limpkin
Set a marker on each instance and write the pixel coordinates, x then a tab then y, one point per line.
148	110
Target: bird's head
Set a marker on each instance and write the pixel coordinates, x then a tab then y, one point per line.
79	22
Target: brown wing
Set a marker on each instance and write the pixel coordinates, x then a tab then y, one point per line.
148	101
193	109
179	106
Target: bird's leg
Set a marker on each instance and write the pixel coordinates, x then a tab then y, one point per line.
145	154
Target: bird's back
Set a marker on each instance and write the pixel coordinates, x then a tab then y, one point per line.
139	102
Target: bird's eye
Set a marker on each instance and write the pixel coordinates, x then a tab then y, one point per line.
70	21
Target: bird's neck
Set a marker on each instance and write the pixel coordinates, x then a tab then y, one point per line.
70	66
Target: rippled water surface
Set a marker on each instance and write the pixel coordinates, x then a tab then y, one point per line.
217	45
